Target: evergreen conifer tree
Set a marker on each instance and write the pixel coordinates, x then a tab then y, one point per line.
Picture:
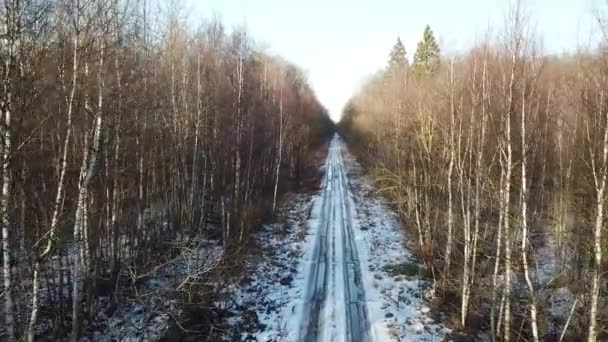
397	58
426	59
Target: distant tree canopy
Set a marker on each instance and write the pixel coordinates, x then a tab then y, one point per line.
426	59
397	59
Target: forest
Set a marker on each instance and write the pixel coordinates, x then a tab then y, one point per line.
496	160
131	136
169	169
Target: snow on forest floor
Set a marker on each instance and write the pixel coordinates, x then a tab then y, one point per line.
144	311
267	298
147	315
272	298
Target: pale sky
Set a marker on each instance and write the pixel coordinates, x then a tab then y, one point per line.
341	42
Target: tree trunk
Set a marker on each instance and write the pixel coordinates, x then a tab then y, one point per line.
280	153
448	245
524	220
600	174
10	42
89	165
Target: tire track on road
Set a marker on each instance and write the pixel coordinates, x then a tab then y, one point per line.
335	294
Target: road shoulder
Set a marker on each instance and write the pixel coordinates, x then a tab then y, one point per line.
395	289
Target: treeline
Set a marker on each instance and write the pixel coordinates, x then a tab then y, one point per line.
497	161
123	128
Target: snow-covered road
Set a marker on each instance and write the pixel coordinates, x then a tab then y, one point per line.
338	270
334	306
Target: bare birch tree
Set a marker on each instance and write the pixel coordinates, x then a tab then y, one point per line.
10	43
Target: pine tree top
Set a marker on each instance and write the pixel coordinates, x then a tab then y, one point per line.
426	59
398	56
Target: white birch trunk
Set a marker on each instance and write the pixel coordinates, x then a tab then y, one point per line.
524	220
89	164
599	175
280	154
448	245
10	41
